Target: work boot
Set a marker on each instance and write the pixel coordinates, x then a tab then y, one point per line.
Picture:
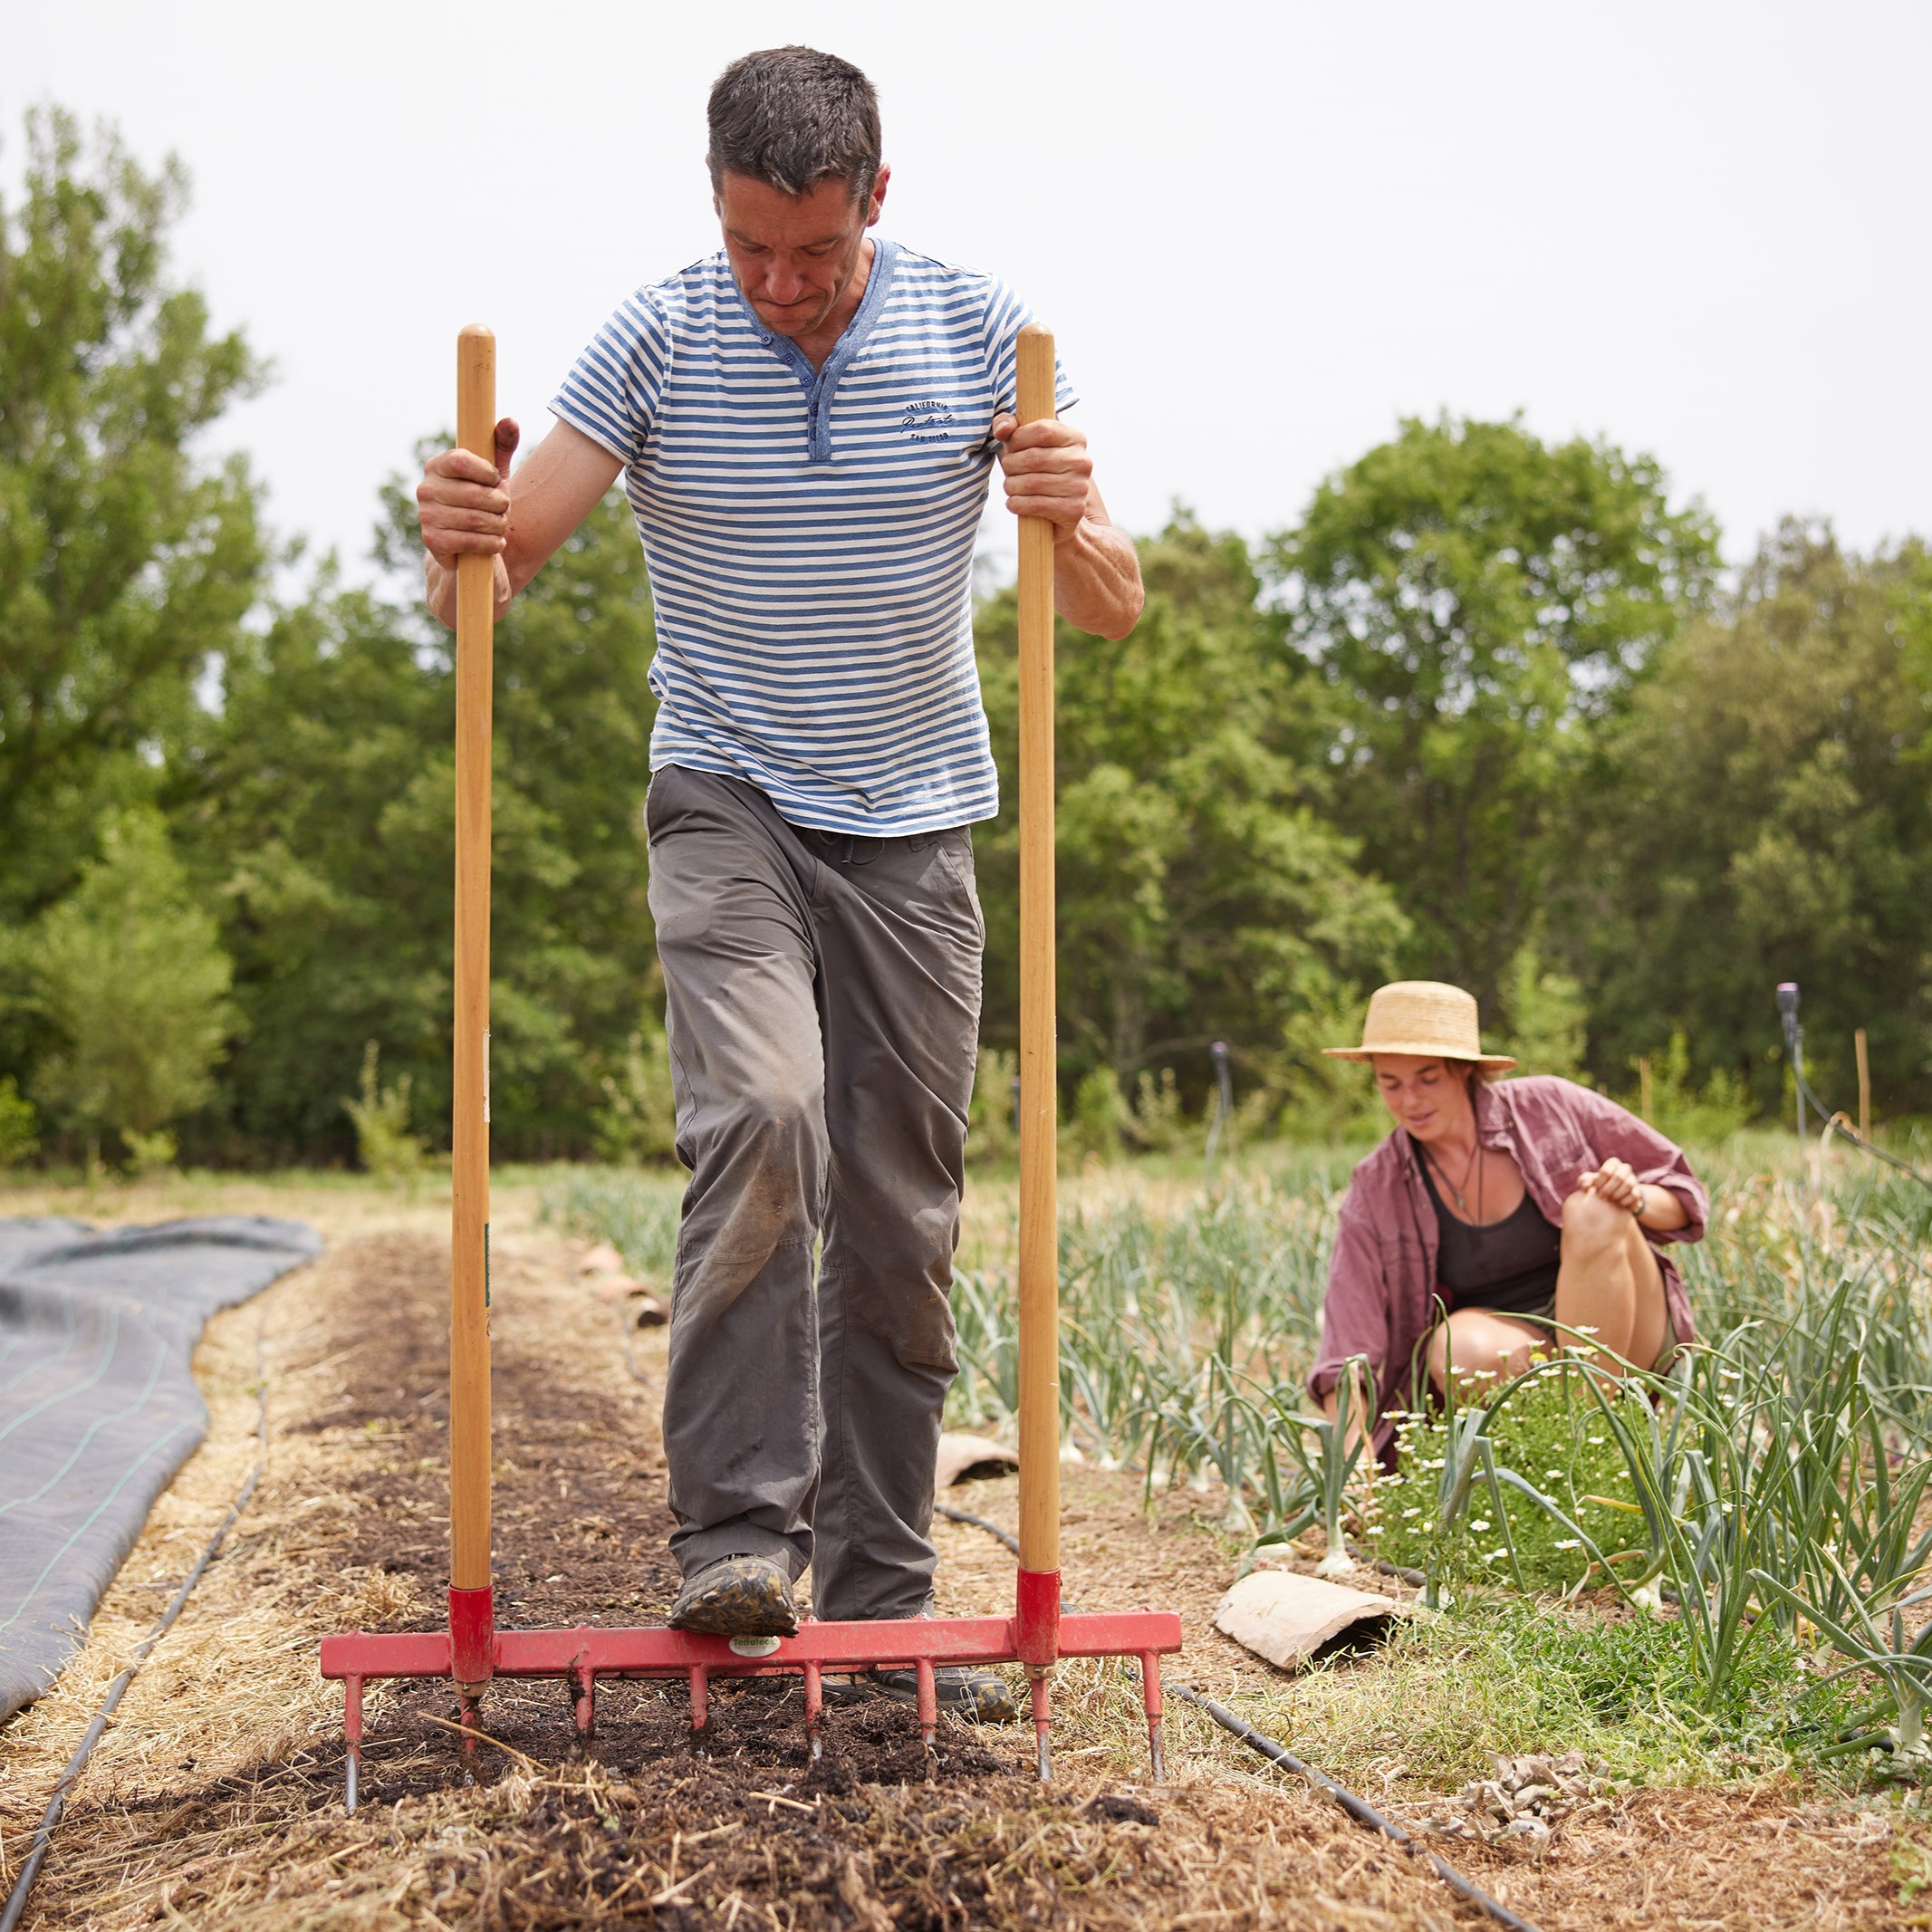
980	1696
737	1596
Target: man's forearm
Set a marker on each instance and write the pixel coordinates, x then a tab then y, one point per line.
439	591
1097	579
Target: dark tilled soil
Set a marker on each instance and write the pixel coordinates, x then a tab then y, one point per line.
580	1525
580	1518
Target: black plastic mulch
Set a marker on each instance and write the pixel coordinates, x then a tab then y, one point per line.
98	1405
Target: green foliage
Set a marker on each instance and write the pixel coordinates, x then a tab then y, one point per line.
639	1120
1477	601
1199	879
127	561
993	1132
150	1154
19	1139
133	979
1708	1113
1099	1113
336	855
1546	1430
1157	1120
1549	1021
1499	1674
1478	715
1763	814
638	1214
384	1144
1324	1099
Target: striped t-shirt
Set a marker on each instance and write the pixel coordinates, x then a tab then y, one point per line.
810	532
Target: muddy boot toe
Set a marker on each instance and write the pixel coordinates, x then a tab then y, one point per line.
737	1596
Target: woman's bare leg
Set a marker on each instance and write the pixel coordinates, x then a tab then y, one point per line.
1608	1282
1478	1343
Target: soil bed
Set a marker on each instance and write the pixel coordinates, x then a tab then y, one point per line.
215	1798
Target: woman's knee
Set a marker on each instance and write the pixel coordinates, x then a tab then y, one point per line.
1591	1222
1473	1344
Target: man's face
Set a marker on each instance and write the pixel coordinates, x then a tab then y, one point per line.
794	256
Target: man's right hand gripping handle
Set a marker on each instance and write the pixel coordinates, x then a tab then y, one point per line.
463	503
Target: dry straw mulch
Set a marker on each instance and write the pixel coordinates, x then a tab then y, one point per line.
215	1799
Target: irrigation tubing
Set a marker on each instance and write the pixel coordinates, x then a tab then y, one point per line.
1836	1123
1359	1809
17	1902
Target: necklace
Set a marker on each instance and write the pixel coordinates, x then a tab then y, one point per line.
1475	1164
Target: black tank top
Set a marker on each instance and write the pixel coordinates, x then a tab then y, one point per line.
1509	1265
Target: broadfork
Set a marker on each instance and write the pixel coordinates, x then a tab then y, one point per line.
473	1651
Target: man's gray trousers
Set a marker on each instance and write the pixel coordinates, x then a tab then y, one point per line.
823	1008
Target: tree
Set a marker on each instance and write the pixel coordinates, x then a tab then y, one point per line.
319	805
126	563
1765	814
1201	888
133	977
1479	601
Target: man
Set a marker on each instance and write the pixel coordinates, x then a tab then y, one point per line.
806	423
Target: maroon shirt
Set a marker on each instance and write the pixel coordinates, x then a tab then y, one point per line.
1382	1276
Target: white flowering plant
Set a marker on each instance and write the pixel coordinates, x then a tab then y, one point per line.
1546	1431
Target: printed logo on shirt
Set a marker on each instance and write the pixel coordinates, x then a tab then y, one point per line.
927	421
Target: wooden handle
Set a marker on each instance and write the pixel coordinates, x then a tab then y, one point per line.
1039	1069
469	1331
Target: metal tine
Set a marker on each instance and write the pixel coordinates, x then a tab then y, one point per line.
929	1708
814	1709
1150	1698
352	1741
700	1707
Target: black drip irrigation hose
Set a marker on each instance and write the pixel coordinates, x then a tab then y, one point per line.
17	1902
1359	1809
1836	1123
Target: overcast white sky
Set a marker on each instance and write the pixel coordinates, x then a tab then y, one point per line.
1263	233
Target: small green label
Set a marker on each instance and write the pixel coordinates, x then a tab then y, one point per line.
485	1263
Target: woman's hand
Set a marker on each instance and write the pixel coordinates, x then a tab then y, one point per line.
1615	1183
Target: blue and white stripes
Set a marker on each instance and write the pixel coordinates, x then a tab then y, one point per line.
810	534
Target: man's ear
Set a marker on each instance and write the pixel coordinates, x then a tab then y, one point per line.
880	182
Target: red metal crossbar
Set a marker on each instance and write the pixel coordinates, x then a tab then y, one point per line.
473	1651
583	1655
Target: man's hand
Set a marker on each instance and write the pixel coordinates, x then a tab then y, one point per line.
463	506
1050	475
1048	472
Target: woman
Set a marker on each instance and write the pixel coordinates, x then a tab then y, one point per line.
1495	1217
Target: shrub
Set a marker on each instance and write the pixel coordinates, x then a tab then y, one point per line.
133	973
639	1120
18	1139
993	1127
387	1148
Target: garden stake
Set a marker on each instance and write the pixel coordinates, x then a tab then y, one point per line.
473	1652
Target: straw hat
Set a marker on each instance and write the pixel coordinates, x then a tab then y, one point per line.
1422	1016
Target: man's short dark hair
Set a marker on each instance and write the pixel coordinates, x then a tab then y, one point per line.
792	117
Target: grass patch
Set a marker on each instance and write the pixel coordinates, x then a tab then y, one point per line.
1498	1674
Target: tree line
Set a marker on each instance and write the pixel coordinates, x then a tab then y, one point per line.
1492	711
